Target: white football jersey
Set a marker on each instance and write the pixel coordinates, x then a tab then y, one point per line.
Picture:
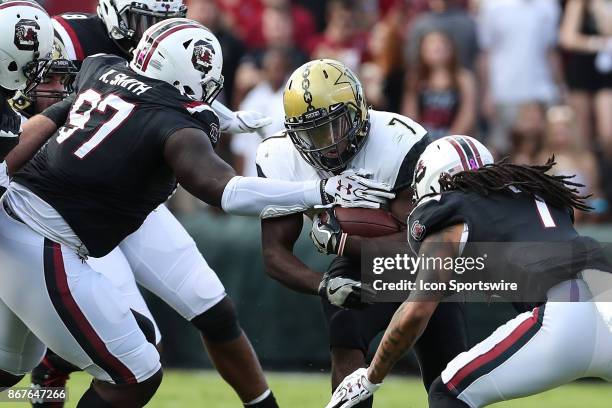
387	153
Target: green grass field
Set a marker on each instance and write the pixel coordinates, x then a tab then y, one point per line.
181	389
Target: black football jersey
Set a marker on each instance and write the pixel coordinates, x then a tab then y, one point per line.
104	170
84	35
527	241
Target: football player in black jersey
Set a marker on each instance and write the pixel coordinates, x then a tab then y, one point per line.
26	35
130	133
465	198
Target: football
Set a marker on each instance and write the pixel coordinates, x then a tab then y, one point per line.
367	222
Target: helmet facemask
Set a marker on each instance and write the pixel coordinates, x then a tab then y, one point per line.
135	19
211	88
328	141
40	72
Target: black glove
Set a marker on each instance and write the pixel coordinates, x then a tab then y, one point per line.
10	128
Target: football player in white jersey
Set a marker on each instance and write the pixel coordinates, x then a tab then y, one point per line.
329	129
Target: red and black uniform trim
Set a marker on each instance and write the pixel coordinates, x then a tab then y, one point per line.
499	354
68	310
22	3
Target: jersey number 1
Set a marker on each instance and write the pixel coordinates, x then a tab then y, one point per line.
544	213
78	119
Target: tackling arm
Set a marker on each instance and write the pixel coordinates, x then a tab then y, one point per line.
197	167
406	326
36	131
410	320
278	236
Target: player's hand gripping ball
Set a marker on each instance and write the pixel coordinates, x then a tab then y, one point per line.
355	189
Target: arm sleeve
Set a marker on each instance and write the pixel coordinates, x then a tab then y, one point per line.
59	111
269	198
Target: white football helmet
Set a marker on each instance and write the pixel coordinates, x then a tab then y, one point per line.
26	34
448	155
183	53
127	20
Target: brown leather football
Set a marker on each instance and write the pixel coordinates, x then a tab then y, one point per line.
367	222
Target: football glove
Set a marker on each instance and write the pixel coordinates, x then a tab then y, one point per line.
345	292
354	389
245	122
326	233
354	189
10	128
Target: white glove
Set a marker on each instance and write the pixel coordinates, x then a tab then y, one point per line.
353	389
246	122
354	189
603	60
345	292
326	233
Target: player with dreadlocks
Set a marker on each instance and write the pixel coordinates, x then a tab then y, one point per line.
536	181
464	200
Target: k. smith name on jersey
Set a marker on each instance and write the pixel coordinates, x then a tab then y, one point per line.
109	153
390	152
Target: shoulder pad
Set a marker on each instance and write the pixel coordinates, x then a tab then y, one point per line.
206	117
432	214
274	155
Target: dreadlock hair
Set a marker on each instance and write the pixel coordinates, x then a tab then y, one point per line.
557	191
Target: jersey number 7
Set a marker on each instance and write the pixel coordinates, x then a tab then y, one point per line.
78	119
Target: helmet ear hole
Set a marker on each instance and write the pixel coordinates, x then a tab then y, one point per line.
12	66
188	90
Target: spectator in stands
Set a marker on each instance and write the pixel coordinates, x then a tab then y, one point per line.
571	157
519	63
382	77
267	98
528	133
244	16
208	13
341	40
441	95
277	27
448	16
586	32
302	20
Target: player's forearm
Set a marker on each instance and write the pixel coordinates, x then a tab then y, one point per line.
36	131
269	198
286	268
354	243
403	331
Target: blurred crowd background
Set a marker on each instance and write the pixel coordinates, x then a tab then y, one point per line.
530	78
